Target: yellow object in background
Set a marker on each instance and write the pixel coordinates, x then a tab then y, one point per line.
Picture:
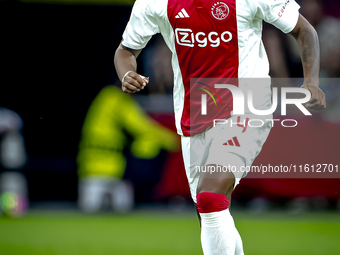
111	118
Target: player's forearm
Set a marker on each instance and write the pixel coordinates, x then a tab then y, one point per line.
126	66
124	61
309	48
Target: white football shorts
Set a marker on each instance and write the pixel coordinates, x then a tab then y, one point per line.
231	144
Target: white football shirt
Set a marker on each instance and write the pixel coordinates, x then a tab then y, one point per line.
219	40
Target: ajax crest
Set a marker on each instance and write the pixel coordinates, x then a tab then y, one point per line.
220	10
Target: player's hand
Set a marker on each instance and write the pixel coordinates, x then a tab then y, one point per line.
133	82
318	98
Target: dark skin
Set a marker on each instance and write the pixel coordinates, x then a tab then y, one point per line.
309	48
125	61
307	39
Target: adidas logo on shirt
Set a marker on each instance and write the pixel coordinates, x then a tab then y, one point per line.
182	14
233	142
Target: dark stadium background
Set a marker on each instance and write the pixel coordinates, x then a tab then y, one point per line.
55	59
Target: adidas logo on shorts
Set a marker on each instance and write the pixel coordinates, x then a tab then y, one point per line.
233	142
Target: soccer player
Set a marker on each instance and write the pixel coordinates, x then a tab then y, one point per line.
219	40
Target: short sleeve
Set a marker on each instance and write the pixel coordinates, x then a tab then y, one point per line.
283	14
141	26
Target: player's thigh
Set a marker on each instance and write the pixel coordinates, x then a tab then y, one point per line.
221	183
218	178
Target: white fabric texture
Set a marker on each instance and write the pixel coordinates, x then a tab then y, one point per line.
219	235
239	244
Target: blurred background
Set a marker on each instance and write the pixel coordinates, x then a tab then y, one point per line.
86	169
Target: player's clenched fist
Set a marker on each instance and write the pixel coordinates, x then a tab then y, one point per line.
133	82
318	98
